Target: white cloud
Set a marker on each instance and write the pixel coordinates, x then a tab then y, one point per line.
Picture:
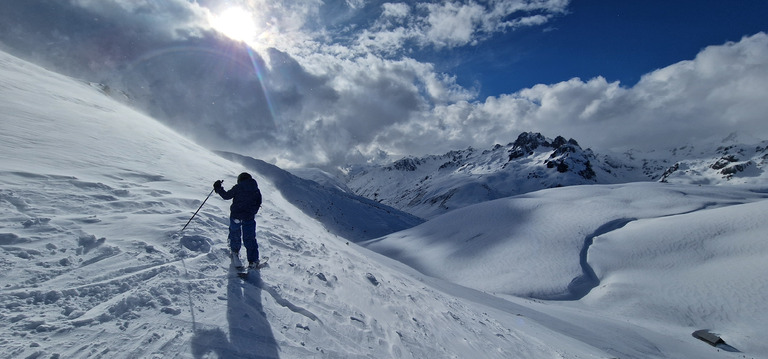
319	98
355	4
453	24
721	91
172	18
450	24
456	23
395	10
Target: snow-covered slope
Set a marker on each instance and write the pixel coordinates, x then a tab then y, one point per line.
93	195
540	234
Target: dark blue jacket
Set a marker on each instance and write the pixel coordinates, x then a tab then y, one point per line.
246	199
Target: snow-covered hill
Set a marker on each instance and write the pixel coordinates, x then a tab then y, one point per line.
93	195
560	222
433	185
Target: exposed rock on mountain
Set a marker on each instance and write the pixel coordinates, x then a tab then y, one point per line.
733	163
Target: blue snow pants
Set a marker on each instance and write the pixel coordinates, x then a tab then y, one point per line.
247	230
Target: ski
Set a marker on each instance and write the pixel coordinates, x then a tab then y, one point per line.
242	270
262	263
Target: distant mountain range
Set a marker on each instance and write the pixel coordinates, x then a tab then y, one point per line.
432	185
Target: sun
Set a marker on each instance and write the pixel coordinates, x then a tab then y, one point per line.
236	23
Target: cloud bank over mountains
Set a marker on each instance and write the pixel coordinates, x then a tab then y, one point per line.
343	81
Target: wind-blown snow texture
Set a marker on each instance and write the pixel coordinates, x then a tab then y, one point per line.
93	194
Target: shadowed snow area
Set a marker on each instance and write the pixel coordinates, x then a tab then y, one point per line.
352	217
92	264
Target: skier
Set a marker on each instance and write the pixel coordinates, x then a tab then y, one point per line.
246	200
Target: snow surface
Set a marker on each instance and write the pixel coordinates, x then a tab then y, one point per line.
92	265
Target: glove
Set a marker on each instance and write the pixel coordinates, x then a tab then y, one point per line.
217	184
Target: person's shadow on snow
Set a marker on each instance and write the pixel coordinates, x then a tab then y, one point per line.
250	335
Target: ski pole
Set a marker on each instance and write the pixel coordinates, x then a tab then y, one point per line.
198	209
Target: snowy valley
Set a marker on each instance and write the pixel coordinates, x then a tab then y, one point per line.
614	264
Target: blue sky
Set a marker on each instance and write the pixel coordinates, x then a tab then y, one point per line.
327	83
619	40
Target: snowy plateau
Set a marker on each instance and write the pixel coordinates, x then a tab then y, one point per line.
627	260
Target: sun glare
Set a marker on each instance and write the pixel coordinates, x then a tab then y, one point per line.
236	23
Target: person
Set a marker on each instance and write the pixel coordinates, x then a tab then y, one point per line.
246	201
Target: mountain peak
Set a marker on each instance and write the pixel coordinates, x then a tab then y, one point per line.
405	164
527	142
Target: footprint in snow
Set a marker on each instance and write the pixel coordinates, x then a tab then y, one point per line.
196	243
